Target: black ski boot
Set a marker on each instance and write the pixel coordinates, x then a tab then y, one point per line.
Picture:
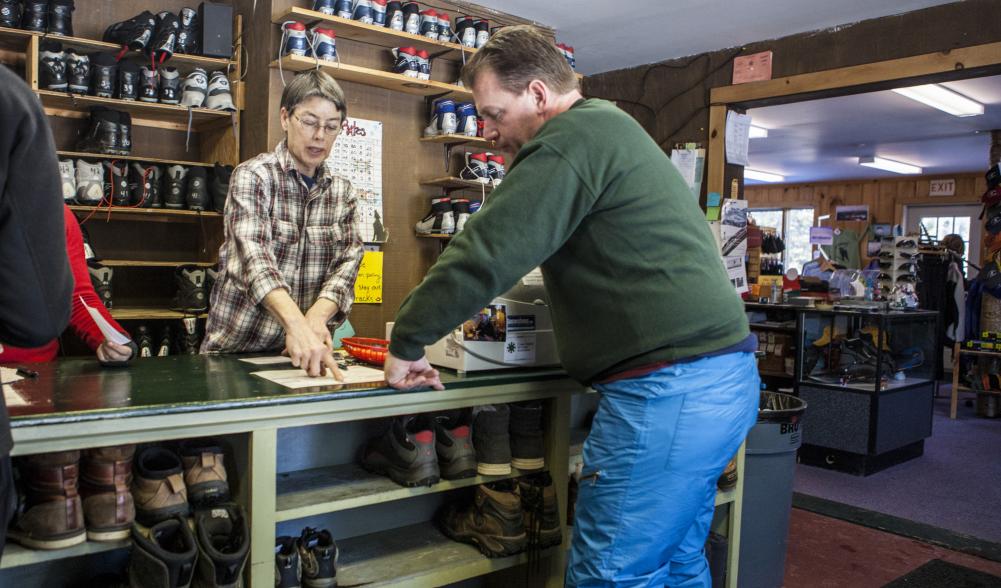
104	74
52	67
116	183
219	186
197	195
170	85
78	67
149	84
124	133
174	186
190	289
100	278
134	33
144	185
161	48
102	135
191	341
61	18
145	341
128	81
10	13
187	37
35	16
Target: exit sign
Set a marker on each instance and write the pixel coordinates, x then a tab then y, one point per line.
942	188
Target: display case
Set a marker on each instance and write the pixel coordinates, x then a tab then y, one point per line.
868	378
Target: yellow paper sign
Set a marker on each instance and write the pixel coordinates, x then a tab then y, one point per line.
368	286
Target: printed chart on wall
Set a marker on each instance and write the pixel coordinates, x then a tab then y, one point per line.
357	156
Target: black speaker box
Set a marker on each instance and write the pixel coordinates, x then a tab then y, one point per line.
217	29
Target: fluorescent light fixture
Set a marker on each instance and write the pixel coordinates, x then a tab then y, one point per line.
758	132
753	174
942	98
889	165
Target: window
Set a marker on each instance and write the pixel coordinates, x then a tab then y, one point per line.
936	227
793	225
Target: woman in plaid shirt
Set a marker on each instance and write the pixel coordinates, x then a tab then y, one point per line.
292	241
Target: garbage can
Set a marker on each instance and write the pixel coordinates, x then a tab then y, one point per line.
769	466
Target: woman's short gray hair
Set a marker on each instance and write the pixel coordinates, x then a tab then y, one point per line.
314	83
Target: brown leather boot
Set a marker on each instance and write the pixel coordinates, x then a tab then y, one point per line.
542	511
50	516
204	472
493	522
105	478
158	488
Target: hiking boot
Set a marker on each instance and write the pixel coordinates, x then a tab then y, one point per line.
288	569
324	45
404	452
460	213
89	183
60	18
318	553
102	134
145	341
164	40
165	558
219	186
52	67
296	39
493	522
194	88
440	220
197	193
144	186
190	342
164	345
10	13
67	177
190	289
159	489
454	444
134	33
50	515
223	539
149	84
476	169
78	71
174	186
105	477
116	182
129	81
187	36
100	278
491	440
36	16
728	479
104	75
219	96
204	471
423	65
542	512
527	447
405	62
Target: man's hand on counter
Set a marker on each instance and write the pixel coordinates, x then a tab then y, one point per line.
405	375
310	352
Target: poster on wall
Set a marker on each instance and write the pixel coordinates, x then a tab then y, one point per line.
357	156
733	230
858	212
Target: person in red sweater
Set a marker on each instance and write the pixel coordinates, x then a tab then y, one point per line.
80	321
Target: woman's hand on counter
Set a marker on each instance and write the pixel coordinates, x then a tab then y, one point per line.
406	375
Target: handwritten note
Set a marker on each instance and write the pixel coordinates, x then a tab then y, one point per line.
368	286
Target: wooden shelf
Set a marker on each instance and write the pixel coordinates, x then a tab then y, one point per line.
975	352
434	236
323	490
103	156
152	214
15	39
141	263
780	328
974	390
15	555
373	77
177	59
454	183
146	313
152	114
415	556
457	140
354	30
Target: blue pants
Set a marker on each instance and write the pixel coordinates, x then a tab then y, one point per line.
658	444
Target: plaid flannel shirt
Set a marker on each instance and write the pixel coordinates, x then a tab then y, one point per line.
281	234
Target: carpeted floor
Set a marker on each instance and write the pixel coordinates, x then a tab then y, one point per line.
956	485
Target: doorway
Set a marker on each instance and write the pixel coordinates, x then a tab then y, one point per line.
938	221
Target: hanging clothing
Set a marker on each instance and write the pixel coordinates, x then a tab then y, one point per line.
843	250
955	308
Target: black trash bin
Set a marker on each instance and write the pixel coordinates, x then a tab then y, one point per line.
769	466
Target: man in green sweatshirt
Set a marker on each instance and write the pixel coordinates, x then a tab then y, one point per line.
642	309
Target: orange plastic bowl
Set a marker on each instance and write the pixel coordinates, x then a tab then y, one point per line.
371	351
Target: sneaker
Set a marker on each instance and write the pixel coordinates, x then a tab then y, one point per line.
318	553
454	444
288	569
89	183
187	36
466	119
493	521
440	220
52	67
477	168
149	84
60	18
325	6
174	187
116	182
165	556
144	187
219	97
164	41
296	40
219	186
542	511
527	447
444	121
460	212
406	62
363	12
728	479
67	176
100	278
190	289
35	16
78	71
190	341
10	13
166	342
104	75
324	45
134	33
482	32
50	515
144	341
197	194
195	86
204	468
404	452
170	85
495	168
159	490
223	539
105	477
491	440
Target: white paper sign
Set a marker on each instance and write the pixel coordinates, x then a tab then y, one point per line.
11	396
109	332
684	160
519	348
736	272
267	360
738	137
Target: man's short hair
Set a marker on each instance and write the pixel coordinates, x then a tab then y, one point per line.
313	83
517	55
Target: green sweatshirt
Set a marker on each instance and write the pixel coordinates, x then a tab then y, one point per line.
632	271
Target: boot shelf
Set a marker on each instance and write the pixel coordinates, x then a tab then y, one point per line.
373	77
143	214
146	313
15	39
414	556
15	555
152	114
457	140
454	183
354	30
145	263
106	156
317	491
178	60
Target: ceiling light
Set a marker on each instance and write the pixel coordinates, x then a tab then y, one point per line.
889	165
942	98
753	174
758	132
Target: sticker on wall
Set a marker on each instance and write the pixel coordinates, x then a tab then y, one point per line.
520	348
368	286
